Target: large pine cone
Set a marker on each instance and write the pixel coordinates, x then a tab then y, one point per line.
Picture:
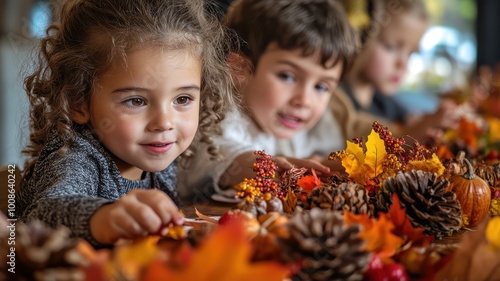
330	250
428	203
345	196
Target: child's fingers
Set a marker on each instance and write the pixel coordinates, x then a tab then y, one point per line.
146	217
164	208
129	229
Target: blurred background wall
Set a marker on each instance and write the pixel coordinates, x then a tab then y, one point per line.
463	32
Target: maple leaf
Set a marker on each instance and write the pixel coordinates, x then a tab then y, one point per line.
375	154
364	165
377	234
309	182
224	256
403	226
130	259
432	165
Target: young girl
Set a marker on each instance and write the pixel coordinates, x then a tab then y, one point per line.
291	59
120	91
391	37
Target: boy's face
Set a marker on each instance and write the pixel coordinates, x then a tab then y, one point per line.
288	92
386	58
146	112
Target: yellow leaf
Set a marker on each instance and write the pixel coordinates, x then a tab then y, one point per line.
356	151
130	259
493	232
494	130
432	165
375	154
353	159
224	256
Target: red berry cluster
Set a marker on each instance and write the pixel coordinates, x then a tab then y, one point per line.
265	171
392	145
359	141
396	146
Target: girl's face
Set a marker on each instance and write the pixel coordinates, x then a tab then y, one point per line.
288	92
386	57
146	110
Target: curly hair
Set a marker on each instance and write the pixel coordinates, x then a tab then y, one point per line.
306	25
91	35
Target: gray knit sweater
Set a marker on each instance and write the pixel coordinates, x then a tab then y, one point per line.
67	190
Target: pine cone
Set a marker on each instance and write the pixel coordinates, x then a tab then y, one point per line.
428	204
490	174
43	253
330	250
344	196
292	192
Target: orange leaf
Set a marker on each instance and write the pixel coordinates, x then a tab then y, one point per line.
309	182
403	226
377	234
225	256
130	259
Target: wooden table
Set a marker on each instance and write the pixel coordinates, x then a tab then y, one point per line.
209	208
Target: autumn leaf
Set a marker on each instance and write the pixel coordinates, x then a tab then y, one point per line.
432	165
289	201
493	232
403	226
469	132
377	234
130	259
353	161
375	154
362	165
224	256
309	182
494	130
443	152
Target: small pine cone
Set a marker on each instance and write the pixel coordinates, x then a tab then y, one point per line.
428	203
344	196
43	253
496	170
487	173
329	249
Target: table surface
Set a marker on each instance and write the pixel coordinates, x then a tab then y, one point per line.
209	208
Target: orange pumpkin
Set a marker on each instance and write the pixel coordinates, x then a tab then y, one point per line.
474	195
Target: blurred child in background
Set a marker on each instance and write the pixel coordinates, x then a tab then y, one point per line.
367	92
291	59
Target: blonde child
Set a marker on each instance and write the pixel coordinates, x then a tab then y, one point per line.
290	60
117	98
366	93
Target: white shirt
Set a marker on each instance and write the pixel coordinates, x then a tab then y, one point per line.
240	135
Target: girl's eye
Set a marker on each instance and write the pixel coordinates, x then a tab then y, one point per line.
135	102
183	100
286	77
322	88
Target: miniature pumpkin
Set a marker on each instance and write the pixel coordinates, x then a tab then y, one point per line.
474	195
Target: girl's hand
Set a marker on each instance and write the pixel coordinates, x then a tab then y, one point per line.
139	213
